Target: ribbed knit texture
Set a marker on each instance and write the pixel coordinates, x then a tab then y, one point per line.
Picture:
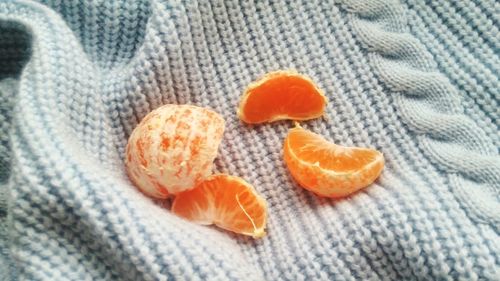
417	80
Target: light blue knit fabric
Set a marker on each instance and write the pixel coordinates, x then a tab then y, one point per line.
417	80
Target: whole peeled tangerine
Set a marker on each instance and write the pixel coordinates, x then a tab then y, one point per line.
173	149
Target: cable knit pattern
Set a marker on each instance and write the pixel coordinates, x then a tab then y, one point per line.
428	104
417	80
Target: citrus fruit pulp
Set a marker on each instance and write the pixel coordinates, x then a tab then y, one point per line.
281	95
328	169
226	201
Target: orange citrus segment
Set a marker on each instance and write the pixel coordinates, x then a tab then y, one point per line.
328	169
226	201
281	95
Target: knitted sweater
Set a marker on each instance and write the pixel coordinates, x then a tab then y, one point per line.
417	80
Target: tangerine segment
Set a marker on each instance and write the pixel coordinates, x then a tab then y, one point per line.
281	95
173	148
226	201
328	169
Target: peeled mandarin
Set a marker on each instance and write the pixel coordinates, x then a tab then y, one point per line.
173	149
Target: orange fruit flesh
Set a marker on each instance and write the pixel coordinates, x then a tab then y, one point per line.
328	169
226	201
281	95
329	156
